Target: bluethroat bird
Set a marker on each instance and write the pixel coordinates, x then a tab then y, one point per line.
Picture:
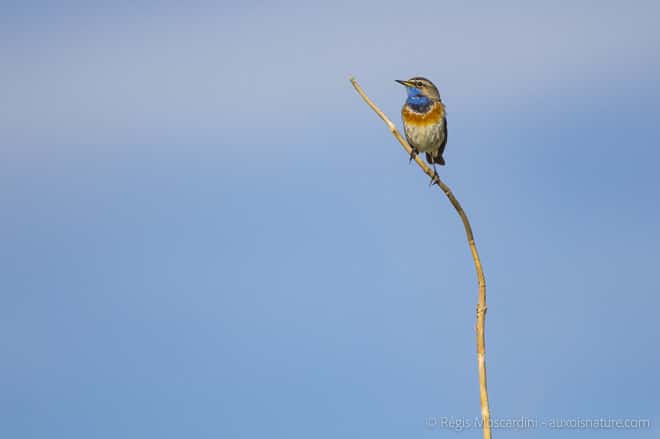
424	121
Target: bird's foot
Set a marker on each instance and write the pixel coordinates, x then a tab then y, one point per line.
434	178
413	154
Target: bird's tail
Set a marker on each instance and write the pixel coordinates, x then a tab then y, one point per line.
437	158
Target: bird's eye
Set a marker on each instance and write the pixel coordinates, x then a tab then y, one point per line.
419	84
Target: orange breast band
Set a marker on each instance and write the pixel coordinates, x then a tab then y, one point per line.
433	116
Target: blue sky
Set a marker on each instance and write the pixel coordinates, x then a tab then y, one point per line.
206	233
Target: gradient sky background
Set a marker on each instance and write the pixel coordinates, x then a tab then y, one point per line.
206	233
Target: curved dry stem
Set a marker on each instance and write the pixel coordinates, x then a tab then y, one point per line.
481	305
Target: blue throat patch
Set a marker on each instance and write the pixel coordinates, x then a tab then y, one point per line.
417	101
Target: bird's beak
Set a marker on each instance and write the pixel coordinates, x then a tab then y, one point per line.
406	83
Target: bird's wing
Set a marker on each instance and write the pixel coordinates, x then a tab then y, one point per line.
444	142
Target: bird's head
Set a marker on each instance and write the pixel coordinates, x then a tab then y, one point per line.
420	91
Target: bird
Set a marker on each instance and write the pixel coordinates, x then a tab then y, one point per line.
424	120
